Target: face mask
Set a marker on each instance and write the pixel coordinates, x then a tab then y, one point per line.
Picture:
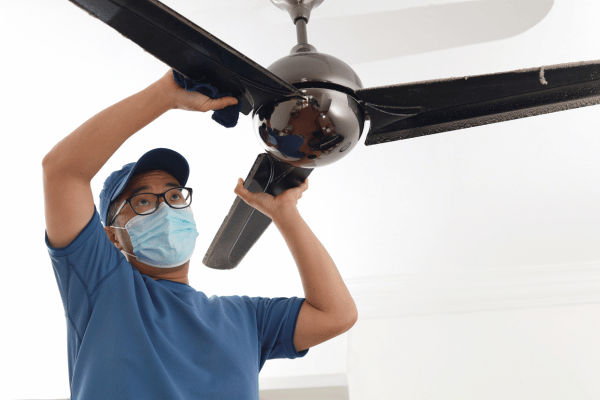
163	239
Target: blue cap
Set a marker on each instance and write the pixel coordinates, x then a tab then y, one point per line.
163	159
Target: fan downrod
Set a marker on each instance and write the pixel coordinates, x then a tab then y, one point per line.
299	10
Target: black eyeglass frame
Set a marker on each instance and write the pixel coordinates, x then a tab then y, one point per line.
158	197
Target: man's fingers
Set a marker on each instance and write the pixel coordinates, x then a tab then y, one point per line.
240	190
217	104
304	185
239	186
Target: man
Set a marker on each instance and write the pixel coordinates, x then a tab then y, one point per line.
136	329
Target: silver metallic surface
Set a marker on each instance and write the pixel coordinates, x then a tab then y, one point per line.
315	67
311	132
302	48
297	8
301	34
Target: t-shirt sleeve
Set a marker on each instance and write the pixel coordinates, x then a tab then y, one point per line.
276	321
81	266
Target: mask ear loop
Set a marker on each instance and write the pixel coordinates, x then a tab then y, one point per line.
118	227
123	251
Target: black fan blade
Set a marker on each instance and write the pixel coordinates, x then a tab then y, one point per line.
190	50
244	225
458	103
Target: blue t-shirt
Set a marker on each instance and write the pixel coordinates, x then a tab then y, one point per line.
131	337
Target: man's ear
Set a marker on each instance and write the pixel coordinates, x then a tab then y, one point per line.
112	236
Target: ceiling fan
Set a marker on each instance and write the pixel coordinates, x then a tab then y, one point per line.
309	108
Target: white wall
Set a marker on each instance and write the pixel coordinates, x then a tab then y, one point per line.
512	333
550	353
530	332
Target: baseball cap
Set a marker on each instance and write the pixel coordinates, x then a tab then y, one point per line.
163	159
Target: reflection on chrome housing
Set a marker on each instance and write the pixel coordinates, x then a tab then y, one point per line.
315	67
311	132
322	127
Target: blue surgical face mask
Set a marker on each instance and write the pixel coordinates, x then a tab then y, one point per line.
163	239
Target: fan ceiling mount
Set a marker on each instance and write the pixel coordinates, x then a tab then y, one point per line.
298	8
309	108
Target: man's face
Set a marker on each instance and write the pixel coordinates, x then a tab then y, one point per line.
156	182
148	182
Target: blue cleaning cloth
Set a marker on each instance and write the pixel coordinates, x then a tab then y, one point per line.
228	116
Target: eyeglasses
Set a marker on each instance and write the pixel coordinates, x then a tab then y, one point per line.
147	203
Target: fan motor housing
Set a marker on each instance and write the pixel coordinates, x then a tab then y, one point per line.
320	128
309	66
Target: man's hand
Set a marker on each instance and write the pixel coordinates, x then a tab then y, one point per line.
270	205
191	101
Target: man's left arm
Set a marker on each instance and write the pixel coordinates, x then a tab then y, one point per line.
328	309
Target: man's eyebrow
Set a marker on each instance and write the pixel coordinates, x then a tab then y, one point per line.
140	188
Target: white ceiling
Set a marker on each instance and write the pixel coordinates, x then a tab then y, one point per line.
519	193
359	34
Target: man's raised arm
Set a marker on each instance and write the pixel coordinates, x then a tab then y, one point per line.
72	163
328	309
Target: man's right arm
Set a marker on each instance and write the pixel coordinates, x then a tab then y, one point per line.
72	163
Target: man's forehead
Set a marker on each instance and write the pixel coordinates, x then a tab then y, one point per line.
149	178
